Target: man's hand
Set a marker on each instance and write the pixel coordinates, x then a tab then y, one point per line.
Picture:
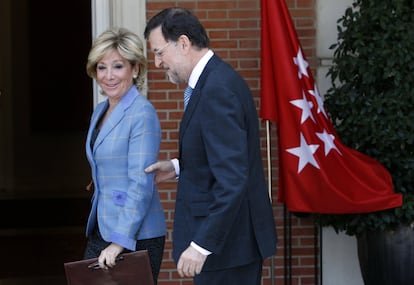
108	255
164	170
191	262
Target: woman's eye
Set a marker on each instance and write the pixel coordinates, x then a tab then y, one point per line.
100	67
118	66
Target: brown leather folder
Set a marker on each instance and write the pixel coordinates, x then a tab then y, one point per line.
131	269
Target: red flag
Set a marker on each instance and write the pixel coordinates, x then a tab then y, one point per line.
317	174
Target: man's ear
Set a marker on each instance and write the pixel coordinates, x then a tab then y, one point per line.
184	43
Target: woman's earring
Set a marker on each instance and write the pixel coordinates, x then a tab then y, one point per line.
135	76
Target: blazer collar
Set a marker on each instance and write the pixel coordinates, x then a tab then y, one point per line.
116	116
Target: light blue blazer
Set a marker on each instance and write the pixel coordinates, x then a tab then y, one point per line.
125	203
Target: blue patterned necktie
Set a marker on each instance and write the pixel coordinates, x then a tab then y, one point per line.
187	94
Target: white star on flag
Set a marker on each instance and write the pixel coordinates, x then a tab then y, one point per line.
305	153
328	140
302	64
315	93
306	107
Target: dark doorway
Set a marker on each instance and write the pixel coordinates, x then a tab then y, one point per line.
59	41
47	103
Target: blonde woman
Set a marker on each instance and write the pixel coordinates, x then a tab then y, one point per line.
124	137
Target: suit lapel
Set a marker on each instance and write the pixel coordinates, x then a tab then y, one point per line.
116	116
196	96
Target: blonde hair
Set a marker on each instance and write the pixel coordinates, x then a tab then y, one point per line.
129	46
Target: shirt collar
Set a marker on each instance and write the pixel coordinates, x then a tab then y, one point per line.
198	69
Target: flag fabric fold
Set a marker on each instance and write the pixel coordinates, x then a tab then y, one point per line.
317	173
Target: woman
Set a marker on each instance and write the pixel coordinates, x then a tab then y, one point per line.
124	137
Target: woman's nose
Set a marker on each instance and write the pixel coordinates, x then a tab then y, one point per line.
109	73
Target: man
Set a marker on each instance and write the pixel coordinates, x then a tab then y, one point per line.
223	224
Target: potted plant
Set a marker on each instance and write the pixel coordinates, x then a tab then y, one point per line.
371	104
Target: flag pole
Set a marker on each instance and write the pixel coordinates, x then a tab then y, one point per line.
269	185
269	162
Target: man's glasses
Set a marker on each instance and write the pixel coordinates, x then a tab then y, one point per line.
160	52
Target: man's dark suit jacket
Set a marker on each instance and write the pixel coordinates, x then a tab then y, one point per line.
222	200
